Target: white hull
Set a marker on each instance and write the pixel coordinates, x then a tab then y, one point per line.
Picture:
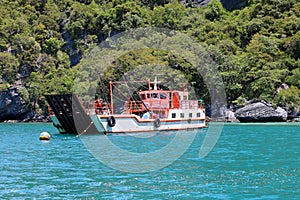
131	124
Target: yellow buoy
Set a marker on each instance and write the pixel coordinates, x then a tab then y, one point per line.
45	136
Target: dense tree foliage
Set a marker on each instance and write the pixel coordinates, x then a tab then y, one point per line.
257	49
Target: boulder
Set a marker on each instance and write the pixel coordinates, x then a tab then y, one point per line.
260	112
282	112
230	116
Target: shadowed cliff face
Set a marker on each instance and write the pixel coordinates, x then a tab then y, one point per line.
234	4
12	107
228	4
197	2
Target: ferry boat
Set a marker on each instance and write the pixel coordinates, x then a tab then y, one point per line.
148	110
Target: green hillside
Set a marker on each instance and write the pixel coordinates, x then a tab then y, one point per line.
257	49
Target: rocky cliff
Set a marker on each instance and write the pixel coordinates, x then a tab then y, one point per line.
228	4
234	4
12	106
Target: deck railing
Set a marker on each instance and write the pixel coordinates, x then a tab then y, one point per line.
138	106
189	104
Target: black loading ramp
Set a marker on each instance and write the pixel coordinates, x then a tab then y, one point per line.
71	114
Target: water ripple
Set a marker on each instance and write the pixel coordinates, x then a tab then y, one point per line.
249	162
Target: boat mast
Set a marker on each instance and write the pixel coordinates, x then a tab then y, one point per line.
111	97
149	90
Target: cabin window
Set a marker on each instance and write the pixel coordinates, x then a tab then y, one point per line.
154	95
148	96
163	96
190	115
198	114
181	115
173	115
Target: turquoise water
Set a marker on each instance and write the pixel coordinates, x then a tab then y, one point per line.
250	161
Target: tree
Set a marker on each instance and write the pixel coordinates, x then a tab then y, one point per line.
215	11
294	78
289	98
292	46
169	15
9	67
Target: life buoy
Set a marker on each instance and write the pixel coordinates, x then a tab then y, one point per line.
45	136
111	121
157	123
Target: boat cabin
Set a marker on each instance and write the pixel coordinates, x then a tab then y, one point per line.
160	103
156	103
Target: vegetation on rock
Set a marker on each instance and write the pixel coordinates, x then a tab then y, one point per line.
257	48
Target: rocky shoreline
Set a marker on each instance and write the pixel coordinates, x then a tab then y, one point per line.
257	111
14	109
35	118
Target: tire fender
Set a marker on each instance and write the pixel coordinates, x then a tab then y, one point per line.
157	123
111	121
